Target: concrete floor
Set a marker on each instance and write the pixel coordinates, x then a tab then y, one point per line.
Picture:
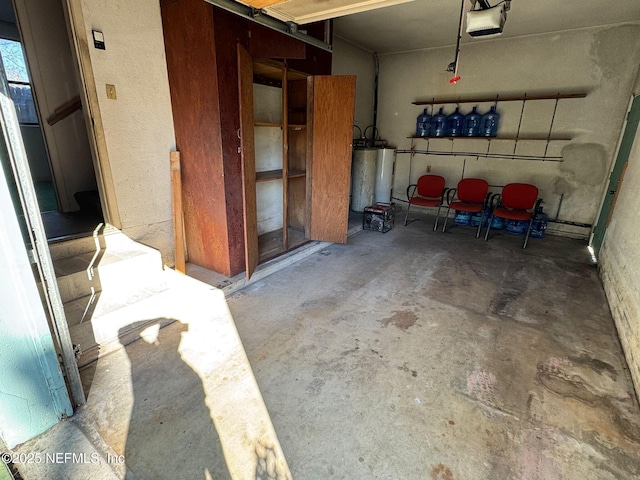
422	355
407	355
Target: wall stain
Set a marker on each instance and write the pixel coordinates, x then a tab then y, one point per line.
402	319
562	186
606	51
584	163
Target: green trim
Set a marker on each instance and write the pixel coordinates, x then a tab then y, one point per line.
631	127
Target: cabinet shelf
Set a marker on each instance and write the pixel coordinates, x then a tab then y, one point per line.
296	173
297	127
498	98
267	124
267	175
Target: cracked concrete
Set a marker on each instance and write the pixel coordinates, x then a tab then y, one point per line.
408	355
416	354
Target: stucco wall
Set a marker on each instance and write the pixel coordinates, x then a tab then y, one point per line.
619	260
138	125
349	59
599	61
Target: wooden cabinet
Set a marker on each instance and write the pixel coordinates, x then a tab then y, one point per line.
201	45
296	153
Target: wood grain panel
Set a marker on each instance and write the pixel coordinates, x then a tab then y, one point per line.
297	102
297	149
267	43
297	202
245	88
315	62
330	120
188	35
229	31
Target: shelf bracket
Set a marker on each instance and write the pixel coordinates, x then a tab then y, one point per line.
515	145
553	117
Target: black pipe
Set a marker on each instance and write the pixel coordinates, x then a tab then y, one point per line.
375	91
453	66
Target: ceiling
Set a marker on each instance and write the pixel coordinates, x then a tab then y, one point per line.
434	23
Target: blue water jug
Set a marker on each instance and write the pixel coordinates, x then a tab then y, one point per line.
498	223
455	123
472	121
462	218
490	121
475	218
518	227
439	124
539	224
423	125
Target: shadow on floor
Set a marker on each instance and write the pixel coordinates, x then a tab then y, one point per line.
171	434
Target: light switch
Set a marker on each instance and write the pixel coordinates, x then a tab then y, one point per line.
111	91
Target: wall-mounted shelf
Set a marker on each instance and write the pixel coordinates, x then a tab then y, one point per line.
498	98
527	137
517	137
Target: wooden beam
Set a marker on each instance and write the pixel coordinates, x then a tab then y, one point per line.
178	222
261	3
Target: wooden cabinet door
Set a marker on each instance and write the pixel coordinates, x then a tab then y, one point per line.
330	122
247	150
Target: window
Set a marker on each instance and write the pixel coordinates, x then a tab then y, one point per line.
15	70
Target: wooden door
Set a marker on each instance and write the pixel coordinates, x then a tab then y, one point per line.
247	150
330	122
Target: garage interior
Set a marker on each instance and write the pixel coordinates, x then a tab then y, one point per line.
411	354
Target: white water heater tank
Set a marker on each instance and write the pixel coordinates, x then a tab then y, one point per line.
384	174
363	178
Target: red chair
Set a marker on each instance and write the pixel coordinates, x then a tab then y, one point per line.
472	196
518	201
428	192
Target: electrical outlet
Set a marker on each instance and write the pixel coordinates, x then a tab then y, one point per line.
111	92
428	168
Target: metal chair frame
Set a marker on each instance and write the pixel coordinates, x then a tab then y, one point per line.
450	197
496	202
414	186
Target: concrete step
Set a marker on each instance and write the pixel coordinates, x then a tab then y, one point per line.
101	288
124	266
99	324
104	323
77	246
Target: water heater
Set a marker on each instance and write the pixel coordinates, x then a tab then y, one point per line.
384	174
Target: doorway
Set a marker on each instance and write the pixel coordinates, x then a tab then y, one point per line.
617	175
41	72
